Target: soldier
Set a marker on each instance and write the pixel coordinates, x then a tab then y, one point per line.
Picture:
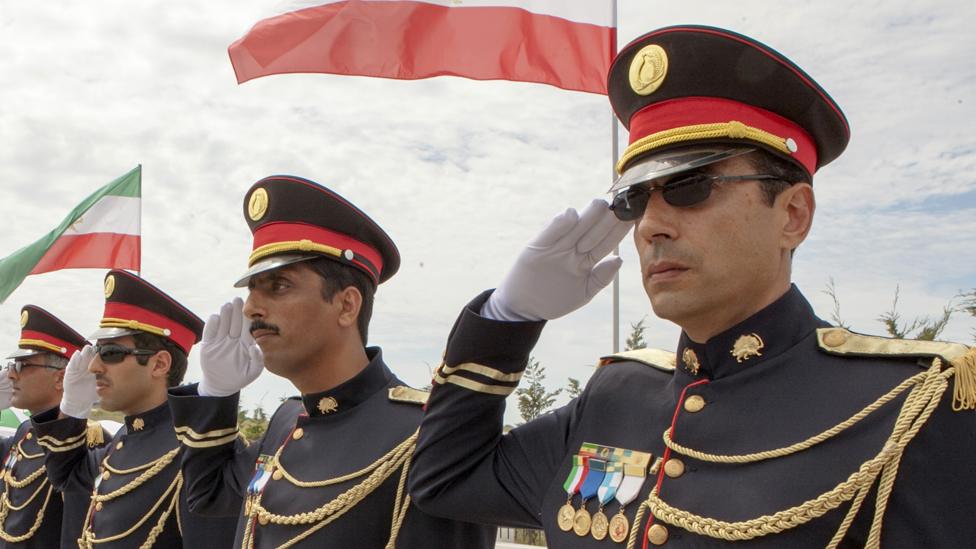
331	469
774	429
135	483
32	512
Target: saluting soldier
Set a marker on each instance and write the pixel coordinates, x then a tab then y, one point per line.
773	429
135	483
331	469
33	513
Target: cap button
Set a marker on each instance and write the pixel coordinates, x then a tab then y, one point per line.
791	145
348	254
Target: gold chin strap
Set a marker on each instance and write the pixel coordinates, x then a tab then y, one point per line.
378	471
927	389
700	132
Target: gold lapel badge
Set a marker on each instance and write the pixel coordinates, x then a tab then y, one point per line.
327	405
747	346
690	360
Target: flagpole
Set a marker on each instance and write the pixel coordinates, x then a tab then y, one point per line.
613	161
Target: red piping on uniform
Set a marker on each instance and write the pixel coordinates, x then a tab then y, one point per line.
667	453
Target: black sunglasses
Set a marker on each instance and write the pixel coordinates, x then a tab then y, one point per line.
18	366
681	191
113	354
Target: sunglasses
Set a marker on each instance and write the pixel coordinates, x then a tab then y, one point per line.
18	366
681	191
113	354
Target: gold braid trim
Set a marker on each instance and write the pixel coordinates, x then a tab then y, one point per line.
6	507
41	343
65	445
88	539
150	470
378	472
919	405
291	246
732	129
964	389
14	483
128	324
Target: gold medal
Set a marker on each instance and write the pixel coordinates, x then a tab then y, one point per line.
619	527
564	518
600	525
582	521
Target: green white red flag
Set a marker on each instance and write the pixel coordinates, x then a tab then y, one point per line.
101	232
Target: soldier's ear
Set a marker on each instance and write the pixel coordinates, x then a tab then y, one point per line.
59	379
350	301
797	204
160	364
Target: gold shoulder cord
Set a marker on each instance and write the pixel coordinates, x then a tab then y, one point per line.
926	392
378	471
6	505
149	470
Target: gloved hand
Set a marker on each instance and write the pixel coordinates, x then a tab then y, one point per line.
562	268
6	391
79	385
229	357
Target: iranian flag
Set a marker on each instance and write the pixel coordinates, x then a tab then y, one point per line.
101	232
565	43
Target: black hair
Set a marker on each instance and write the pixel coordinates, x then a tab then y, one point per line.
337	277
177	367
788	173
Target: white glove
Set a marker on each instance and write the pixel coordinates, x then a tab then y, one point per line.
6	391
80	393
229	357
562	268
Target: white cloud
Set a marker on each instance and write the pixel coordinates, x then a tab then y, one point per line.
462	173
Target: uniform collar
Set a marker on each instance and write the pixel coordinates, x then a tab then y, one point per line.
160	415
763	336
374	377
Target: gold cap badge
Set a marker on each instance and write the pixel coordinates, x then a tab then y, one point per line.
257	206
747	346
23	319
327	405
690	360
109	286
648	69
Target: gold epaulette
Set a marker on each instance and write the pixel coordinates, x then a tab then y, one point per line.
402	393
658	359
839	341
94	434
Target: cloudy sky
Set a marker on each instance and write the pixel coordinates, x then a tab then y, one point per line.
463	173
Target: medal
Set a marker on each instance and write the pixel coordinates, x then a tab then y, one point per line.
564	518
581	522
591	483
262	474
605	493
619	527
600	525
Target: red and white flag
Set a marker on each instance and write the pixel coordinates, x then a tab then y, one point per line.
564	43
101	232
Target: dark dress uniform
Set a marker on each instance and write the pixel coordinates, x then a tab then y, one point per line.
776	380
34	513
329	472
135	479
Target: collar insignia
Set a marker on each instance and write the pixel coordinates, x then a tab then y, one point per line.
747	346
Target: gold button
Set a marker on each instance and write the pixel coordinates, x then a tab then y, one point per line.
694	403
657	534
263	520
98	506
29	436
119	445
835	338
105	475
299	433
674	468
277	475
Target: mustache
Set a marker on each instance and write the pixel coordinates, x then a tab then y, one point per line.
666	251
259	324
102	379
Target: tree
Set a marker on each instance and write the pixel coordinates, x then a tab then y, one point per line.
253	427
574	389
923	328
968	304
533	399
835	314
636	338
